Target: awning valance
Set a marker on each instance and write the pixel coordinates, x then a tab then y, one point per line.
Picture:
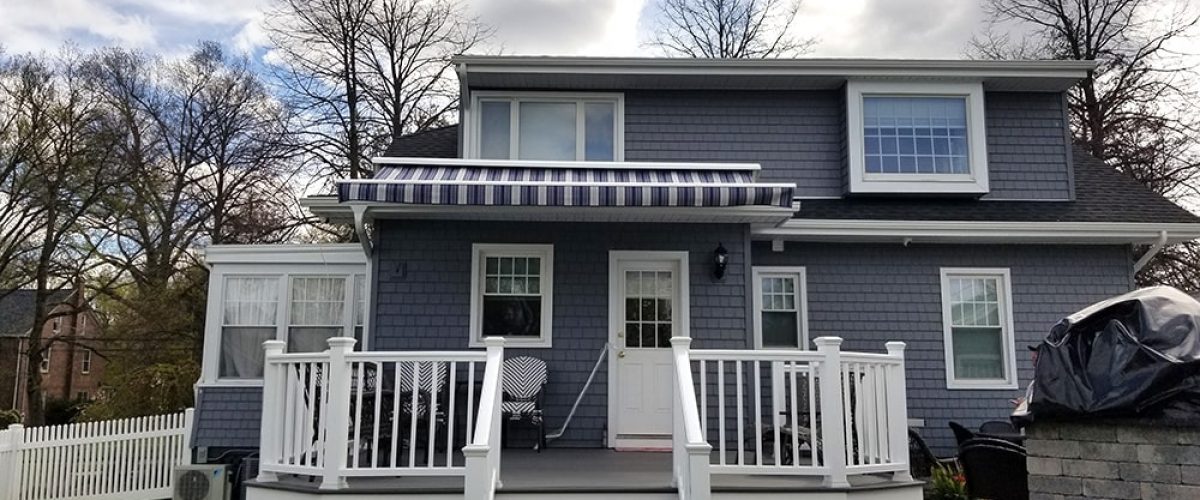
577	185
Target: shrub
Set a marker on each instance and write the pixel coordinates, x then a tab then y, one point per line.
947	483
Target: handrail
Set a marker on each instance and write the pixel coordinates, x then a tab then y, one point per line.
483	454
690	448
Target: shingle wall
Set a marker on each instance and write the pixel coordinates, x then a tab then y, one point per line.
423	298
799	137
227	417
869	294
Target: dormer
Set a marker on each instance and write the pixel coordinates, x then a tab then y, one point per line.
916	138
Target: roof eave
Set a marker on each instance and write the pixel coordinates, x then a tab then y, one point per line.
998	232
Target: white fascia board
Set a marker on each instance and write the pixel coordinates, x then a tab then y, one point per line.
317	253
834	230
594	165
925	68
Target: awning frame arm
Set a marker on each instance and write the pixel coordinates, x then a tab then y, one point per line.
360	228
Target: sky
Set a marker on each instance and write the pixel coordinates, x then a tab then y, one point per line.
844	28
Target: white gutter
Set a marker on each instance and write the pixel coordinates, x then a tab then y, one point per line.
926	68
1151	252
833	230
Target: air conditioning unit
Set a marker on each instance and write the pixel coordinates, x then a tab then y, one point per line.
200	482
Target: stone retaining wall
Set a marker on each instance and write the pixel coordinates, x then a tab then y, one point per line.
1113	459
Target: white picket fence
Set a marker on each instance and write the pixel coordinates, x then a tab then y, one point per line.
128	459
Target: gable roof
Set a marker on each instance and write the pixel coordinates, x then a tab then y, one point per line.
1102	194
16	310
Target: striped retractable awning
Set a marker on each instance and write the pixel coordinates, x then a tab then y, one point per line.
566	187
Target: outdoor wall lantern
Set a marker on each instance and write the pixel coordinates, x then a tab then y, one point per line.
720	261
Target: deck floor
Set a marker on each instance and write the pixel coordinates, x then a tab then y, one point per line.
591	470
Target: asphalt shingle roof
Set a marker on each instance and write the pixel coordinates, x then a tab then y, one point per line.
1101	195
16	310
439	142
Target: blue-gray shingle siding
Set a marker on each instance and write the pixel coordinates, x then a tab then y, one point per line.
799	136
423	296
227	417
870	294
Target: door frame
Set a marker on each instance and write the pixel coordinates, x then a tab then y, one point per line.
615	257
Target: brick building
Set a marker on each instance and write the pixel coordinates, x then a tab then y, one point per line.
70	369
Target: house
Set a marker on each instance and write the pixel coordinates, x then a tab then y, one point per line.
70	369
598	213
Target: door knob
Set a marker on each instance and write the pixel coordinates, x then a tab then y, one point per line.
621	334
621	354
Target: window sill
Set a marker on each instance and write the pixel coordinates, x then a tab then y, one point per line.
510	343
982	386
933	185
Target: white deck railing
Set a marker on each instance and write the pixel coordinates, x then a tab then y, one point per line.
823	413
339	413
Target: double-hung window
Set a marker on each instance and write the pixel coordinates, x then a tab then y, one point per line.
317	312
85	363
512	293
250	316
916	138
555	127
977	317
780	315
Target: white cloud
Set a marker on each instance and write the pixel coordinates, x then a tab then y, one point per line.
890	28
37	25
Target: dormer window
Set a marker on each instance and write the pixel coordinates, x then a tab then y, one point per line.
916	138
549	126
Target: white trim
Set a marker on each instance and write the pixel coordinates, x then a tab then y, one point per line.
279	262
472	132
1008	344
857	230
974	182
801	276
679	258
545	252
85	361
44	365
329	253
927	68
597	165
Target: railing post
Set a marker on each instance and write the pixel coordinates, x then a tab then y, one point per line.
16	441
691	451
337	423
269	423
833	431
897	398
483	452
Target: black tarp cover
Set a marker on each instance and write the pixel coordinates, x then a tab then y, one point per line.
1135	355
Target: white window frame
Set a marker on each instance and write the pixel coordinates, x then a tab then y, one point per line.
799	273
280	262
474	132
85	362
44	364
973	182
479	251
1007	343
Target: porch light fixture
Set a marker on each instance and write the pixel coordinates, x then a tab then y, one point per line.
720	261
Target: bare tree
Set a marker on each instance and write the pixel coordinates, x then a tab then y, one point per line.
64	151
1134	110
406	71
363	71
733	29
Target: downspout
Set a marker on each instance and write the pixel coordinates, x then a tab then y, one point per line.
1154	249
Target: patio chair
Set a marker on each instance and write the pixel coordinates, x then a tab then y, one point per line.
994	469
961	434
524	383
921	459
431	375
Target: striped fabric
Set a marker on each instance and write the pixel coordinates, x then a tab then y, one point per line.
566	187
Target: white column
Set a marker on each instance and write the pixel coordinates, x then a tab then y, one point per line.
337	430
897	398
272	409
833	431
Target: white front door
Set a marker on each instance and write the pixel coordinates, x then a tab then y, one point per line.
647	294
